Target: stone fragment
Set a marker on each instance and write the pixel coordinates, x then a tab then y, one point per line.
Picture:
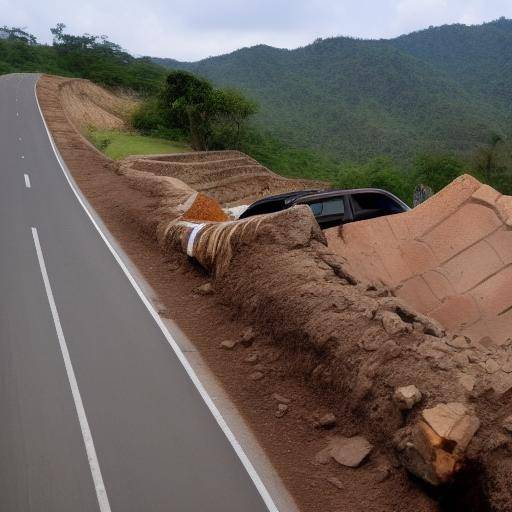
228	344
327	420
467	381
252	358
282	409
452	422
422	453
507	366
335	481
349	451
248	336
256	376
458	342
507	423
460	359
280	398
406	397
393	324
204	289
491	366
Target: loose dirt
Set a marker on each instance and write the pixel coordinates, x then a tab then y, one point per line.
322	340
88	105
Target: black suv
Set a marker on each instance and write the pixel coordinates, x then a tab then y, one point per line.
333	207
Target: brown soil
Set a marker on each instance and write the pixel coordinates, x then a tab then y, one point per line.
88	105
321	338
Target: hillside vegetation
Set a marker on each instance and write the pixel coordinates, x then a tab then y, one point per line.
85	56
442	89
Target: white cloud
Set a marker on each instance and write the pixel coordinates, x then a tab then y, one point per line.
199	28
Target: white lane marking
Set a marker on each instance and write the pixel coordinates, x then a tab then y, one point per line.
22	156
27	180
94	465
17	114
19	138
260	486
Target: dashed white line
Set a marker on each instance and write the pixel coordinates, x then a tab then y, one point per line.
94	465
27	180
22	156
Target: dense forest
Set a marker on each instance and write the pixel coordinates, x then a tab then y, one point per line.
441	89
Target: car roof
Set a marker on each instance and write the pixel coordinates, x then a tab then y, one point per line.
320	194
286	196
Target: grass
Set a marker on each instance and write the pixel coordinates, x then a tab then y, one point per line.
118	145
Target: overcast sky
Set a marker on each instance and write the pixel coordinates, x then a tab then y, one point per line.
194	29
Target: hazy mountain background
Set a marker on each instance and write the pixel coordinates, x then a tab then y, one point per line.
445	88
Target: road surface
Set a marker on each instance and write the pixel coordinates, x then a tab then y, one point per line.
97	411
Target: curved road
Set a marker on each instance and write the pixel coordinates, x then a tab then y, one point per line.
97	411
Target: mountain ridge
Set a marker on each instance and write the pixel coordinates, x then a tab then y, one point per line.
444	88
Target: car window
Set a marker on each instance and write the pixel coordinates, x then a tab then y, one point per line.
333	206
372	202
316	208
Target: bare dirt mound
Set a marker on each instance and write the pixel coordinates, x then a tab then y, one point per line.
449	258
230	177
87	104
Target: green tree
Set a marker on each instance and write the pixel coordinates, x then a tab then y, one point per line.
437	171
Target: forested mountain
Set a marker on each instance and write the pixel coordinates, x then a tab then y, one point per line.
445	88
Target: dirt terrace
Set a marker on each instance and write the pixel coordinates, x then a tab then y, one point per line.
230	177
450	258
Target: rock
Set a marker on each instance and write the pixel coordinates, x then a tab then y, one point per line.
256	376
393	324
228	344
407	397
335	481
349	451
467	381
458	342
422	453
491	366
507	424
382	473
373	338
280	398
452	422
204	289
460	359
248	336
259	368
282	409
327	420
507	366
252	358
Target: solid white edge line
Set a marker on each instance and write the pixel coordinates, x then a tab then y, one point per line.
260	486
27	180
92	458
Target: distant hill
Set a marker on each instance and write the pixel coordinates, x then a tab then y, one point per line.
444	88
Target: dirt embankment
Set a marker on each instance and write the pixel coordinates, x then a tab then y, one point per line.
320	338
88	105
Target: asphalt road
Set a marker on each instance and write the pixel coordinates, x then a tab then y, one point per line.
154	444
